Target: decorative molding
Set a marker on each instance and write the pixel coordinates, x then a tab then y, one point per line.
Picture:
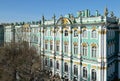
77	63
66	42
75	28
46	41
57	42
84	65
84	44
102	31
93	67
93	45
75	43
70	31
93	28
102	68
61	31
84	28
79	31
26	26
51	41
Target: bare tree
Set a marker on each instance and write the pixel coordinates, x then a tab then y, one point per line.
18	61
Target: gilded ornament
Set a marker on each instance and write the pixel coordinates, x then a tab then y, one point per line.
93	45
84	65
94	67
75	43
70	31
79	32
66	42
84	44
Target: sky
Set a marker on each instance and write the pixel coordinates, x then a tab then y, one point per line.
32	10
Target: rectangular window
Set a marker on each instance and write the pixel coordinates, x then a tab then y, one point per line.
66	33
94	34
51	47
57	47
46	47
66	48
75	33
84	33
51	64
75	49
84	51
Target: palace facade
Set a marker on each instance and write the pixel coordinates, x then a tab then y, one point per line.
81	48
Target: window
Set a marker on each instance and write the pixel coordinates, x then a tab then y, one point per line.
66	33
57	65
51	64
94	34
57	47
93	75
84	50
75	33
45	32
75	49
84	72
66	67
46	62
94	51
84	34
50	32
75	70
46	47
66	48
51	46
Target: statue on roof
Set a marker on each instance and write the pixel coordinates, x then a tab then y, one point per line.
106	12
112	14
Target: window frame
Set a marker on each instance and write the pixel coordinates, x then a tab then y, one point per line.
93	75
66	33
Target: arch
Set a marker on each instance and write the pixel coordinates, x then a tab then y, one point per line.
63	20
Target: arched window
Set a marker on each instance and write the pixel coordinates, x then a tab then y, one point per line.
84	72
57	65
94	51
66	67
93	75
51	63
66	33
75	33
84	50
75	70
84	34
94	34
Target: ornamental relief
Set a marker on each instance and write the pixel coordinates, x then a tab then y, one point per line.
102	31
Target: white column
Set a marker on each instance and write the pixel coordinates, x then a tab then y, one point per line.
99	54
61	51
53	51
105	55
79	73
42	46
70	52
79	52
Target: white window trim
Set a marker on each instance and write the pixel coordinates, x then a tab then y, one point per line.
96	34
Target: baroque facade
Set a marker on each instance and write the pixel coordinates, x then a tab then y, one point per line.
82	48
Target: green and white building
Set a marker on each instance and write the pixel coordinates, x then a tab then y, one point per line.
81	48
